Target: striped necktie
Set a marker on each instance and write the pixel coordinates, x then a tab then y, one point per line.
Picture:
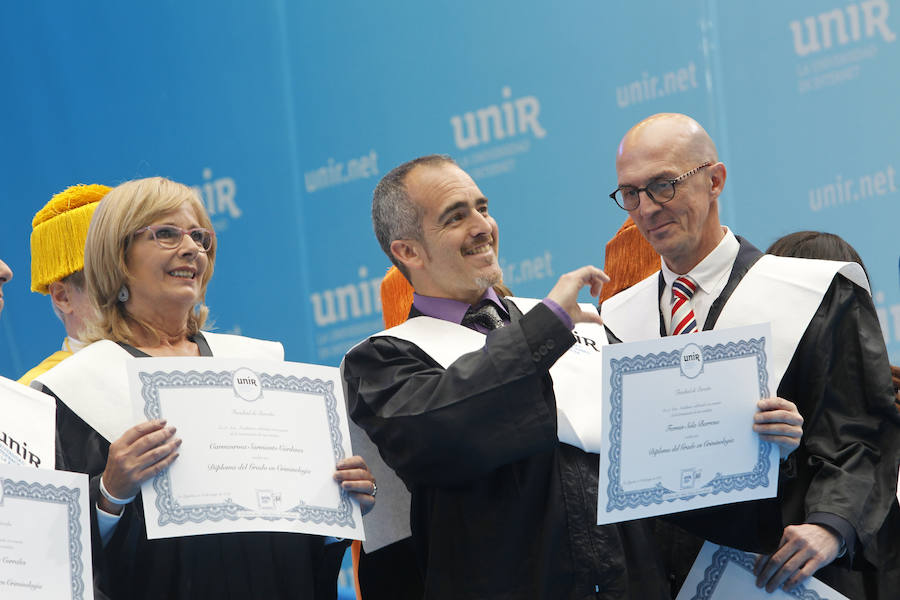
683	320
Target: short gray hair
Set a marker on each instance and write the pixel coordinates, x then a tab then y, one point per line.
394	215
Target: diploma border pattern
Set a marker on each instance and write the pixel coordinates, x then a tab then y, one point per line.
172	512
56	495
619	499
721	558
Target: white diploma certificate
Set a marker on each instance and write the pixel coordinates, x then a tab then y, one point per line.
723	573
45	534
260	443
28	426
678	417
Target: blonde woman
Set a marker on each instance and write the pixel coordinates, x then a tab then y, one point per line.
149	255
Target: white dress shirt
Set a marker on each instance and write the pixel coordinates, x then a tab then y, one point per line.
711	274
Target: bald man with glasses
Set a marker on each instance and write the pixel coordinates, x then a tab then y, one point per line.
836	490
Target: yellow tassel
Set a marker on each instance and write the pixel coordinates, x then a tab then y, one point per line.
59	232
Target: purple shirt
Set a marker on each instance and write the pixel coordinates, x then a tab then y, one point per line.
454	310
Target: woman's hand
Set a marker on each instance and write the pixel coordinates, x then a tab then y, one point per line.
355	477
142	452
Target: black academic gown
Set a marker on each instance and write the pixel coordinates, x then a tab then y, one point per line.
846	465
233	566
500	508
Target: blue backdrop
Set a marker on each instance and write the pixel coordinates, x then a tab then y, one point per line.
285	114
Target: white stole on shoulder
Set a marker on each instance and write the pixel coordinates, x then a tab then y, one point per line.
785	292
575	375
93	382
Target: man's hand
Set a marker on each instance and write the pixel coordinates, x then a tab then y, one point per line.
354	476
803	550
778	421
565	292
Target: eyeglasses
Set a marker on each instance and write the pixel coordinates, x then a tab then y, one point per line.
660	191
169	236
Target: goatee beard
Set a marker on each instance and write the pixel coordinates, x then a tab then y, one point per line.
483	282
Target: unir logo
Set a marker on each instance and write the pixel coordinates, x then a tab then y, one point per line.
353	300
218	195
843	26
508	119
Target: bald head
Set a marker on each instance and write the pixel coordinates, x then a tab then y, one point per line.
682	134
683	228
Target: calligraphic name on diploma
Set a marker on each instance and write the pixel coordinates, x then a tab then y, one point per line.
45	534
723	573
28	426
678	424
260	444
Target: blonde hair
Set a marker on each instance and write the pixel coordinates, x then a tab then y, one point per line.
124	210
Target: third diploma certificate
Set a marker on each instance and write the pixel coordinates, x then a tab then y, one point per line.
723	573
678	416
260	443
45	534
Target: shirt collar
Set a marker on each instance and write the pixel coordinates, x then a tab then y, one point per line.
454	310
72	345
711	269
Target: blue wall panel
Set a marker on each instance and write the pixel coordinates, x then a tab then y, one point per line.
284	115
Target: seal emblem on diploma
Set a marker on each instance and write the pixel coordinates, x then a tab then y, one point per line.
246	385
691	362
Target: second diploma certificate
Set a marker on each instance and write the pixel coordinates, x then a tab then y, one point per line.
678	416
260	444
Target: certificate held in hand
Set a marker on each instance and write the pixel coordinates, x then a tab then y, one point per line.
723	573
45	534
27	426
261	440
678	415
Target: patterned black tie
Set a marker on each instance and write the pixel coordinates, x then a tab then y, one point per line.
485	315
